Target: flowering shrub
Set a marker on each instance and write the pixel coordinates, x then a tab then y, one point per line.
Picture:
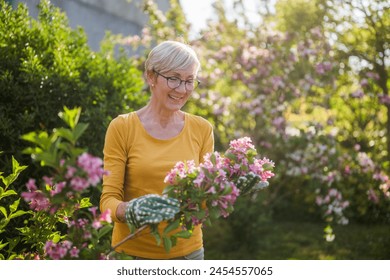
61	196
67	186
64	224
209	191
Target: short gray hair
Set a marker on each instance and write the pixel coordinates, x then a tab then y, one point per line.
171	55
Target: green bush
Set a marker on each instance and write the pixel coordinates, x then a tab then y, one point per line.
46	65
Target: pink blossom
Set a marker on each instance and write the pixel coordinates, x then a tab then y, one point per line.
79	183
70	172
92	166
323	67
38	201
372	196
358	94
87	235
384	99
48	180
241	145
74	252
380	176
372	75
57	251
93	210
96	224
57	188
200	178
364	82
31	185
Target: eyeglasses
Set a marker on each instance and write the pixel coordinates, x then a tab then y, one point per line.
174	82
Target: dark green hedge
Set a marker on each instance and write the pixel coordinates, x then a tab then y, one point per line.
45	65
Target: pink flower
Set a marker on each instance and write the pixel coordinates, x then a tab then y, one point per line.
70	172
38	201
79	184
57	188
372	196
211	187
106	216
31	185
74	252
96	224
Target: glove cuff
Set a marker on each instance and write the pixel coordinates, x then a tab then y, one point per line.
131	219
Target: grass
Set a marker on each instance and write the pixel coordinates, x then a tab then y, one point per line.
298	240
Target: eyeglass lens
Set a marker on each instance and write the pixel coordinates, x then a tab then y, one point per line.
174	83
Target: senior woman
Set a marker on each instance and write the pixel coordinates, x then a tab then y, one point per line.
141	147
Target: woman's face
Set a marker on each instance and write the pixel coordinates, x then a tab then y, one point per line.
172	89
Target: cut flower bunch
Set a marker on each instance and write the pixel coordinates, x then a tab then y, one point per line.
209	191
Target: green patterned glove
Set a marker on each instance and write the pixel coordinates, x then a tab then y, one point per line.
250	183
150	209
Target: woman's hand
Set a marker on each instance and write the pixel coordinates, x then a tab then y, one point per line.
150	209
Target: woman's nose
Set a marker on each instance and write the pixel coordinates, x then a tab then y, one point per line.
181	88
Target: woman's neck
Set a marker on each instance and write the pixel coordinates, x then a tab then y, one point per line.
149	114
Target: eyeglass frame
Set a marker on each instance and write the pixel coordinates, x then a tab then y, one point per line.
181	81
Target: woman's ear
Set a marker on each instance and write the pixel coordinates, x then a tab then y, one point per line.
150	78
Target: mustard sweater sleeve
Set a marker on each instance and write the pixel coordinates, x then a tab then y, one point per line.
208	146
115	158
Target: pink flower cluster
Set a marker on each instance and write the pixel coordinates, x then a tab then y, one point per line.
81	229
87	172
211	189
61	196
57	251
38	200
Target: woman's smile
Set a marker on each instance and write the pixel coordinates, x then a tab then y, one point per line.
176	98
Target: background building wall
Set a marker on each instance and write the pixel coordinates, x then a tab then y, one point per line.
98	16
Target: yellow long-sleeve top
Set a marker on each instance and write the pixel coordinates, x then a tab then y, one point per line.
137	164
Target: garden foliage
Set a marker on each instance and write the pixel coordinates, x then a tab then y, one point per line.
46	65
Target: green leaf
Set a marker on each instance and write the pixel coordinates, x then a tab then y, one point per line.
84	203
49	158
56	237
213	158
104	231
183	234
16	170
18	213
79	130
13	242
7	193
2	245
168	189
16	167
64	133
167	244
171	226
14	206
156	234
214	213
200	214
70	116
268	167
173	241
4	211
41	139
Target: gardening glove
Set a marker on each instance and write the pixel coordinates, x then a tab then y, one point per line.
250	183
150	209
